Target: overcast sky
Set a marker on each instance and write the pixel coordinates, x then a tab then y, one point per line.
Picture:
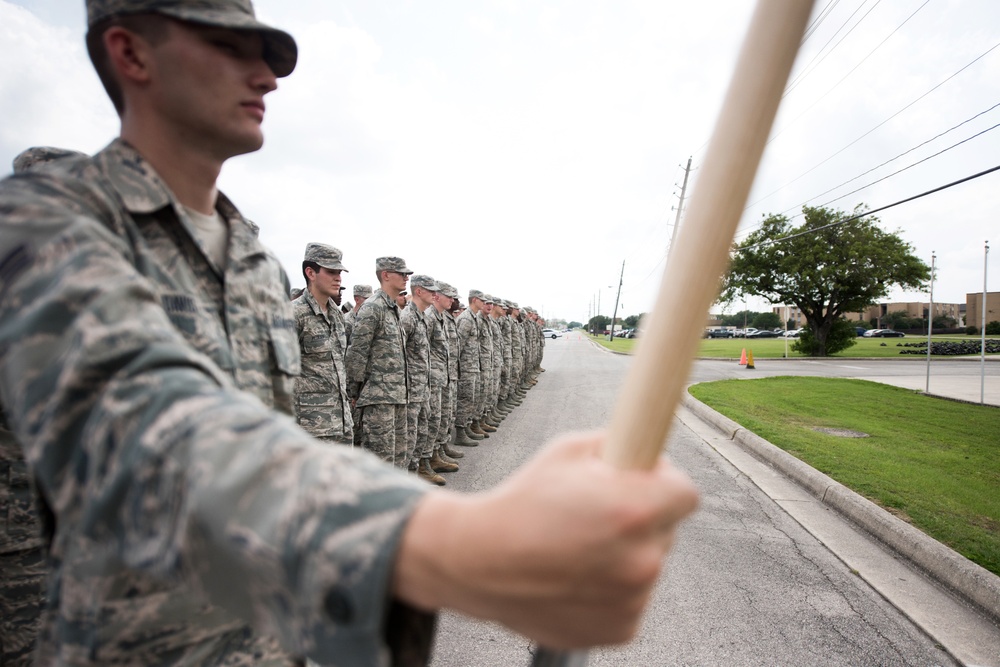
527	149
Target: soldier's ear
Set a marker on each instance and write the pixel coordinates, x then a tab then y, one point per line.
129	55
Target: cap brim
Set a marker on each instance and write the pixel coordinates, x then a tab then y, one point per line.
280	51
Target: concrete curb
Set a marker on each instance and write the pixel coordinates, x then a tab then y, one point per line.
973	583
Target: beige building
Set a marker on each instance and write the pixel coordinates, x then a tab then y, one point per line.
792	314
912	309
974	308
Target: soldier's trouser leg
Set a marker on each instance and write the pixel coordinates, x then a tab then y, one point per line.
383	432
466	399
447	417
434	414
402	437
425	446
412	428
22	593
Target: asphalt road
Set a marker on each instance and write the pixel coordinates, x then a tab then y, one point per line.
745	585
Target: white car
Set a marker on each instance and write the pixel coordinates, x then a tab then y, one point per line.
551	333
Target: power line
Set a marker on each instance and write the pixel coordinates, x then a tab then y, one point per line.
824	161
938	136
873	211
809	68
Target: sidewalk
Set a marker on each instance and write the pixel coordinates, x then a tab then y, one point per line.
952	599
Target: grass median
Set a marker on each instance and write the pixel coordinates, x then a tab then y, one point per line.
933	463
776	348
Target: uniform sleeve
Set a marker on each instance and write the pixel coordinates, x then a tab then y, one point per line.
142	447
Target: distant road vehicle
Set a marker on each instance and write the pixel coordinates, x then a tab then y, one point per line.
888	333
871	333
792	333
551	333
762	334
719	333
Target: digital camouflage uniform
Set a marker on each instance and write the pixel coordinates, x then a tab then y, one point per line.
497	338
437	336
469	368
418	395
485	363
22	547
450	400
144	384
359	291
508	354
376	379
518	351
321	403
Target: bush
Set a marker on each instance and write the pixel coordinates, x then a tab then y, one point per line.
993	328
971	331
842	336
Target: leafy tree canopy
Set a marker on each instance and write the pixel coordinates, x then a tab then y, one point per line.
827	272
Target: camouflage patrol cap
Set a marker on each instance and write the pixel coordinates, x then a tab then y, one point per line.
448	290
280	51
428	283
513	305
475	294
394	264
325	255
363	291
488	299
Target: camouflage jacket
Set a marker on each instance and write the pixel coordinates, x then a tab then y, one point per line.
517	346
418	353
506	334
485	343
140	381
376	366
497	338
438	338
321	403
349	324
468	343
19	529
454	345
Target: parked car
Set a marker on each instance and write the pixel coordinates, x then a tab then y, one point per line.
792	333
719	333
888	333
860	330
551	333
762	334
871	333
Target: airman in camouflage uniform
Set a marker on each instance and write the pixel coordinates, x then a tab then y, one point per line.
482	314
321	403
419	446
141	371
22	547
376	367
447	431
492	417
440	355
361	294
469	373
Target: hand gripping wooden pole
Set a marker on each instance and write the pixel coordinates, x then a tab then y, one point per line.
645	407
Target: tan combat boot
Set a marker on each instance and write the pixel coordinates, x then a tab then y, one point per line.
466	438
425	472
438	464
478	429
446	447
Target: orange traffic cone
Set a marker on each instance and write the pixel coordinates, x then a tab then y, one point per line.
743	358
750	359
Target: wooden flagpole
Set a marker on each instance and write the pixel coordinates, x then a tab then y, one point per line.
666	349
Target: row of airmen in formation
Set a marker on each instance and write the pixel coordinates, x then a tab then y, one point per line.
409	377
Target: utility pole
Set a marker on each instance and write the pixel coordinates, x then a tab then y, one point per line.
680	205
930	325
617	296
982	332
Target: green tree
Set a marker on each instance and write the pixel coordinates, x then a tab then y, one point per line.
574	325
632	321
766	321
598	323
828	270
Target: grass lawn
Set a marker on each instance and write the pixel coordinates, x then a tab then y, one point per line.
931	462
771	348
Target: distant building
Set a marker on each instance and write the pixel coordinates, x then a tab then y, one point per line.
974	308
791	314
915	309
